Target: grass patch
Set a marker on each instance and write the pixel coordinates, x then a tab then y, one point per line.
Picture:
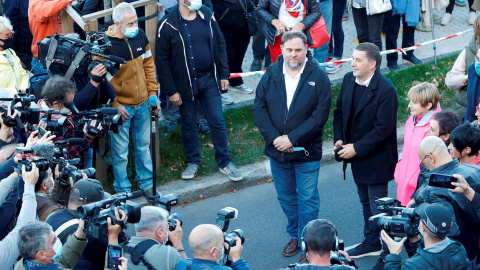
246	142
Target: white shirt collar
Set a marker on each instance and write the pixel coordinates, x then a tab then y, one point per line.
366	83
299	73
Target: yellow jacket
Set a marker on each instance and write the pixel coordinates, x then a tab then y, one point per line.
11	72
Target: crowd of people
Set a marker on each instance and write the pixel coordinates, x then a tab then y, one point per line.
52	119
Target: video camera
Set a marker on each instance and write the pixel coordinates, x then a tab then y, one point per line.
96	214
108	117
22	103
167	202
42	163
394	224
64	53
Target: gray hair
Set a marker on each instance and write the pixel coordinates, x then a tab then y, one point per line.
56	89
5	22
289	35
120	10
33	237
151	218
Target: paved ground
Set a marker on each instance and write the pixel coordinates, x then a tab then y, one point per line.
458	23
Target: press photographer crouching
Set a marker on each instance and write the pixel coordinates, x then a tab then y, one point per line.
65	222
436	250
38	246
149	247
208	247
322	247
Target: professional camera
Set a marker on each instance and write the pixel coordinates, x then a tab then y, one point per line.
22	103
229	238
394	224
65	53
108	117
167	202
96	214
75	174
335	257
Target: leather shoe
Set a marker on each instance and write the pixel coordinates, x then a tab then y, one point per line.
303	259
291	248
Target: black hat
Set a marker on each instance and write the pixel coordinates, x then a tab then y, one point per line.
436	217
91	190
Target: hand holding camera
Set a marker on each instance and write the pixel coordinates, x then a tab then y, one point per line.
236	250
30	177
176	235
114	230
393	246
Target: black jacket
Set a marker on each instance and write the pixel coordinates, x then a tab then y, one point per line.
230	14
172	68
374	128
308	113
466	226
453	257
17	12
268	10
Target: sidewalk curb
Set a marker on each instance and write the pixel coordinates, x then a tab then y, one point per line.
218	183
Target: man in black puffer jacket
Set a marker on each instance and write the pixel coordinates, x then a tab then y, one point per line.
437	251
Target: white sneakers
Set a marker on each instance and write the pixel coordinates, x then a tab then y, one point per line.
471	17
241	88
446	19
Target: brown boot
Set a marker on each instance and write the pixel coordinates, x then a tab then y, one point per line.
291	248
303	259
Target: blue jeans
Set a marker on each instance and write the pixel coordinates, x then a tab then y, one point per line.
139	120
338	37
297	192
209	97
88	158
37	67
327	10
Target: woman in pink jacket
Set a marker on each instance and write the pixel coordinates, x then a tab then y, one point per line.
424	103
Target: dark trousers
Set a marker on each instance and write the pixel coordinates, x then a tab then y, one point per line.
368	194
369	27
259	48
338	37
210	100
452	3
236	40
408	36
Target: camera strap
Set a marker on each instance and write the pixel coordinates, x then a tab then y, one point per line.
76	62
137	253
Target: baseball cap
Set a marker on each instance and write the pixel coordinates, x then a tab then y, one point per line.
91	190
436	217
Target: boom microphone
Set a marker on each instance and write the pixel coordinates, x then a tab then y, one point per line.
71	141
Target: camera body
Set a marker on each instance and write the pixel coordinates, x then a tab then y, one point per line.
96	214
335	257
107	117
394	224
75	174
21	102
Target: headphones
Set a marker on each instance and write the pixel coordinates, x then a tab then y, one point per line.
324	222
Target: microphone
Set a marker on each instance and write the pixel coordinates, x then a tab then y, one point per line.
45	150
152	101
71	141
136	194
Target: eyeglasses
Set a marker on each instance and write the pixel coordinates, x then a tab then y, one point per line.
421	162
8	36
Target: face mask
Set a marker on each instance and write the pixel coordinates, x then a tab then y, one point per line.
164	240
194	5
65	111
477	67
50	190
221	258
7	43
420	230
58	247
131	32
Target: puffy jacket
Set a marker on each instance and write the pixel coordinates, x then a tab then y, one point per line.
172	68
268	10
407	170
466	225
453	257
200	264
304	121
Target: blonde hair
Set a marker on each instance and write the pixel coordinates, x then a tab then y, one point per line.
476	27
424	93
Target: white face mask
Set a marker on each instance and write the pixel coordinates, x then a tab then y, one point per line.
50	190
164	240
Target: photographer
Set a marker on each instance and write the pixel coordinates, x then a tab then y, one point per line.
43	191
436	158
464	188
37	244
319	239
208	247
84	192
436	251
8	246
153	227
56	92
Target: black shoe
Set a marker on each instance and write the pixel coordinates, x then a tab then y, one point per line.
379	265
393	67
203	127
256	65
268	63
364	249
150	197
414	60
172	124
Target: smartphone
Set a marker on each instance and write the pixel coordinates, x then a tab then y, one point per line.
41	132
441	180
114	253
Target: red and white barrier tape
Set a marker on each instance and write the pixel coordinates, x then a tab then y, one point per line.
401	50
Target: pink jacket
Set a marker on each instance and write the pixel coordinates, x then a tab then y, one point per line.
408	168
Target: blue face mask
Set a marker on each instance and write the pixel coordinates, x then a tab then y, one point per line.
58	247
194	5
477	67
221	258
131	32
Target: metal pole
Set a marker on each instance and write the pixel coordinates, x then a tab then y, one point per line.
433	34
